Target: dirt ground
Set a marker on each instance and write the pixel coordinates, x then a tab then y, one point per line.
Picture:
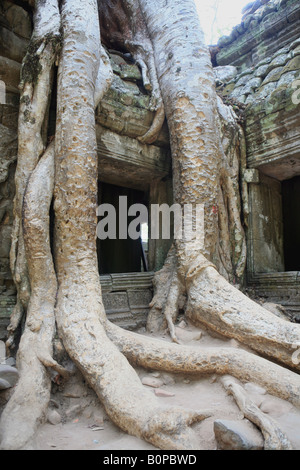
85	426
80	422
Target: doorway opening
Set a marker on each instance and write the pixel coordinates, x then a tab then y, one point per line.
291	223
122	255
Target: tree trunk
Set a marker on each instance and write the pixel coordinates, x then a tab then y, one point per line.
199	170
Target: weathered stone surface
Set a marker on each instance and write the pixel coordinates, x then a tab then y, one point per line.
265	240
261	34
274	75
125	69
5	235
16	19
226	73
126	297
281	288
125	109
277	309
8	150
6	308
186	335
125	161
8	376
237	435
10	74
12	46
251	175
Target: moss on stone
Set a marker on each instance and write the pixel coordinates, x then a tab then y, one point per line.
32	67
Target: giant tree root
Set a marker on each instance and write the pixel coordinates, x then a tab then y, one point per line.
29	403
156	354
163	312
215	303
35	86
30	254
127	402
79	306
274	437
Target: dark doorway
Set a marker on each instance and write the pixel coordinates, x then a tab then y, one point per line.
120	255
291	223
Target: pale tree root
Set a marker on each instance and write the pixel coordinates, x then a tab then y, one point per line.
152	134
141	48
226	268
168	298
30	254
36	81
131	406
104	77
236	232
28	406
79	307
155	354
231	257
216	304
171	307
274	437
144	55
232	241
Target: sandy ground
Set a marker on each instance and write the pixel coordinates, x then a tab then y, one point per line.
84	424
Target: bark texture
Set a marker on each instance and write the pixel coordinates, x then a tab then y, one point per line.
35	89
202	174
31	258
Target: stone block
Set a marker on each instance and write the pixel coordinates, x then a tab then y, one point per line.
10	74
116	302
237	435
17	19
8	376
12	46
274	75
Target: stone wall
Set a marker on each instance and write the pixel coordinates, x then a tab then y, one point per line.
126	298
260	67
265	237
266	27
15	31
